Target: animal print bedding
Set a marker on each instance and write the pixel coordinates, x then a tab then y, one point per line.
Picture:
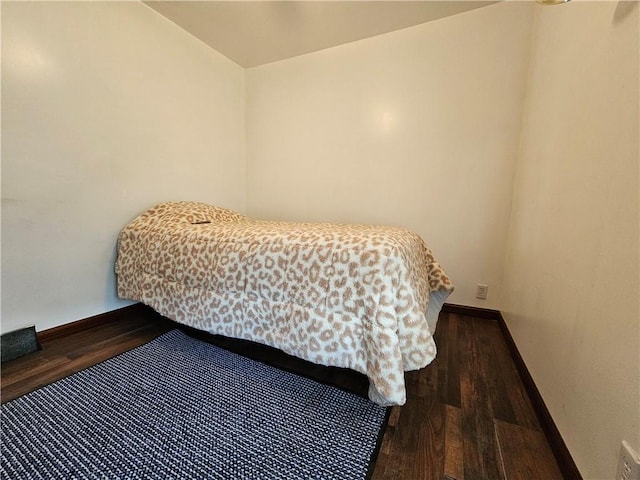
353	296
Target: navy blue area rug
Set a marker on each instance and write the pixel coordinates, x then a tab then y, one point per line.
180	408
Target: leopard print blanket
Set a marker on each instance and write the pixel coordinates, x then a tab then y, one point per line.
352	296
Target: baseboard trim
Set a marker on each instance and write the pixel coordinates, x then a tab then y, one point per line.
90	322
471	311
558	447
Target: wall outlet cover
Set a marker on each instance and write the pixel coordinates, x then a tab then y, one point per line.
481	291
628	463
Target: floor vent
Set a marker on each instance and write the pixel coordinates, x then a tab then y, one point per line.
18	343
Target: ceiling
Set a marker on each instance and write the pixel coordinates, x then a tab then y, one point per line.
253	33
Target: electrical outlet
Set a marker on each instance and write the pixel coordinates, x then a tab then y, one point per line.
481	291
628	463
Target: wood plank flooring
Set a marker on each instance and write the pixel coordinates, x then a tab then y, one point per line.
467	415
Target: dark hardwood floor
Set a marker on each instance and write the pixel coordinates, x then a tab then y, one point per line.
467	414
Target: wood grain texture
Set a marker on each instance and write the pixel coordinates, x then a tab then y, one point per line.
454	452
65	354
464	416
525	453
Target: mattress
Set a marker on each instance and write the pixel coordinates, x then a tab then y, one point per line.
362	297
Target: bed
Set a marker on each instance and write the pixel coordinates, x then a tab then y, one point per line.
355	296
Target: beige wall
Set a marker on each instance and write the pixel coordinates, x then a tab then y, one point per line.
571	277
107	109
417	127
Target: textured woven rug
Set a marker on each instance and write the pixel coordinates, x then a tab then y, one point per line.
179	408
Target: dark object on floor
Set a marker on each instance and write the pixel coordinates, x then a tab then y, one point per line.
18	343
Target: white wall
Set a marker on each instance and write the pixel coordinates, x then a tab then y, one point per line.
107	109
417	127
572	269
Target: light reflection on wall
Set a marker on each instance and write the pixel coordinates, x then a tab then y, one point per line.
387	121
384	120
23	59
